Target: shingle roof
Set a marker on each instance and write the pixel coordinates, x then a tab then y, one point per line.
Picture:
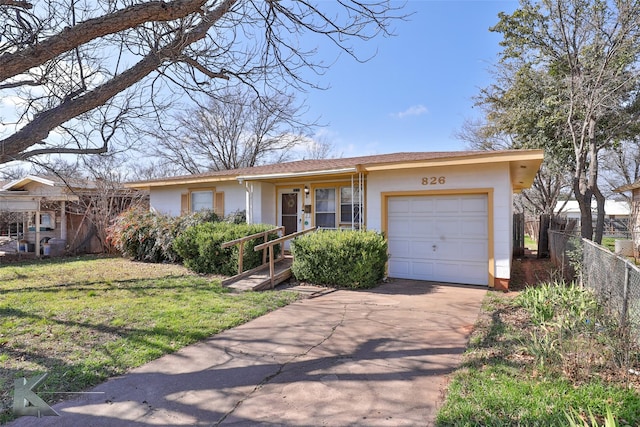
333	164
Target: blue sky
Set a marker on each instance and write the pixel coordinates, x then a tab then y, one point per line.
417	91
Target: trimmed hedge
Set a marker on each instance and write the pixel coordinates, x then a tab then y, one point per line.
200	247
149	236
349	259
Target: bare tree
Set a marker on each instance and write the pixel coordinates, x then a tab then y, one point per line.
233	130
107	197
319	148
15	172
85	73
621	165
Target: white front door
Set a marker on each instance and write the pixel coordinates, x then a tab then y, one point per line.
439	238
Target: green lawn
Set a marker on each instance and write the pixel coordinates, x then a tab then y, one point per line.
86	319
530	244
536	359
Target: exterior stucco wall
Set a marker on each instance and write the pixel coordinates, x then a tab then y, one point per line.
260	201
268	206
234	196
456	179
166	200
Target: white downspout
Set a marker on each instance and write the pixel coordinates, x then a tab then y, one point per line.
353	212
248	201
361	200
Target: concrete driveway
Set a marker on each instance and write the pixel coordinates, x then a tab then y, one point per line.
376	358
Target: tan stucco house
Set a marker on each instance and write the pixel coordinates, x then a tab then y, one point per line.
447	215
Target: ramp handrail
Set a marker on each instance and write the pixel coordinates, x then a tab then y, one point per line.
241	241
278	241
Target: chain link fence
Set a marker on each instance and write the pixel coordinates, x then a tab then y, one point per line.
614	279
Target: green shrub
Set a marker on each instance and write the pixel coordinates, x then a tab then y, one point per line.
149	236
544	301
351	259
200	247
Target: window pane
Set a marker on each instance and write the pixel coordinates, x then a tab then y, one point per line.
348	194
322	206
345	213
345	195
325	202
201	200
326	196
349	201
326	220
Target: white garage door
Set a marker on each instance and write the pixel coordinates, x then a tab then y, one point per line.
439	238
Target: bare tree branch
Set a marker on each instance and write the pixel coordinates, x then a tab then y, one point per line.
12	64
12	148
17	3
71	65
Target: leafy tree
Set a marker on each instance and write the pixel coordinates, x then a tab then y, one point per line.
568	82
86	73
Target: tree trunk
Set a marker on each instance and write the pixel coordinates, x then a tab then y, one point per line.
593	182
543	236
599	231
583	196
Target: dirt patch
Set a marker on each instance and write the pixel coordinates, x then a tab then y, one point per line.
529	270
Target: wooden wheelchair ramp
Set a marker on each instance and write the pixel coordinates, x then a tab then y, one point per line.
259	279
272	272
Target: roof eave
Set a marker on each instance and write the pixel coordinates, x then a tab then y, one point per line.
147	185
283	175
627	187
466	159
17	183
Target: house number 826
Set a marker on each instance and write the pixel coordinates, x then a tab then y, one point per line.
434	180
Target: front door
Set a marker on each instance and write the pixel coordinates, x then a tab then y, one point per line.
289	211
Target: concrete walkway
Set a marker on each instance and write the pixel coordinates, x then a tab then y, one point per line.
371	358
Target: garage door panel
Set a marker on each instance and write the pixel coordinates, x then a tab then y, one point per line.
399	228
420	228
474	228
422	269
399	206
474	274
445	250
399	248
447	205
473	205
447	227
474	251
422	206
439	238
400	269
